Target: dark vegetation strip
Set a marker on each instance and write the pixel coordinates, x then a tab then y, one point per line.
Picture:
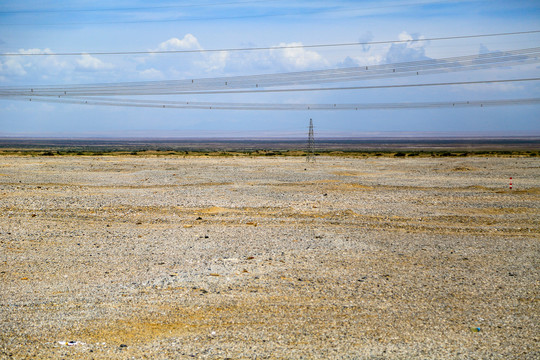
278	153
219	147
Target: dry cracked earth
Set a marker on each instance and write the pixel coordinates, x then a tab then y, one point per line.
269	258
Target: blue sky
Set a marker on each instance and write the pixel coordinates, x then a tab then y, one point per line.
119	26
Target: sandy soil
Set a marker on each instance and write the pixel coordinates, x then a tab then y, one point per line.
242	258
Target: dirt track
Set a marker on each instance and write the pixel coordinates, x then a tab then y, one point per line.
269	258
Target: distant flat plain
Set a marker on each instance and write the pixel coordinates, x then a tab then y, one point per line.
323	145
240	257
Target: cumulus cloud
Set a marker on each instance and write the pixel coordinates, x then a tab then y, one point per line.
223	63
216	61
411	49
274	60
348	62
297	58
151	74
11	67
191	65
365	38
189	42
51	67
17	66
35	51
89	63
370	58
483	49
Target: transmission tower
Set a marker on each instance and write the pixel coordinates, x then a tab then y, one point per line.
310	144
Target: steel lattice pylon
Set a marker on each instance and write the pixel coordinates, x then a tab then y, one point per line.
311	143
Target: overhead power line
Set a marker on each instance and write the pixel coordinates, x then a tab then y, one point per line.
339	88
281	47
284	80
283	107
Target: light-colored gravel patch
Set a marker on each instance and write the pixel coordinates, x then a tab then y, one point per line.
242	258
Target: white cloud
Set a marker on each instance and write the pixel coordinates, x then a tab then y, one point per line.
51	68
363	60
364	38
483	49
297	58
15	66
35	51
404	36
409	50
224	63
88	62
273	60
216	61
189	42
44	65
412	42
151	74
12	67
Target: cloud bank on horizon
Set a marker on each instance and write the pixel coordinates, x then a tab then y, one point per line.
281	28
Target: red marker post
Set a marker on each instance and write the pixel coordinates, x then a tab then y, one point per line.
510	183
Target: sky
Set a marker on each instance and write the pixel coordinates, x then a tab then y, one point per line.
381	32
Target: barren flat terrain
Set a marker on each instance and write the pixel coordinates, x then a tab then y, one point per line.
269	257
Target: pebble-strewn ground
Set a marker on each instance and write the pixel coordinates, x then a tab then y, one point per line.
242	258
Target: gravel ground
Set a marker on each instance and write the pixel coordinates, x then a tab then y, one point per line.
242	258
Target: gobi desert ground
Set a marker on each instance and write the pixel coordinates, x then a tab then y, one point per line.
268	257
